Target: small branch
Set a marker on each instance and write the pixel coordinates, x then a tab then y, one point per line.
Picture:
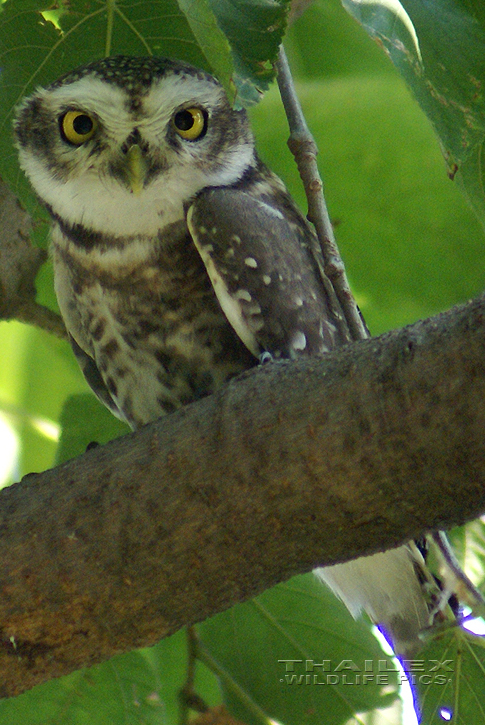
189	699
302	145
20	262
32	313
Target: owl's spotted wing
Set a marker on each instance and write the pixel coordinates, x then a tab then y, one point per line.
257	250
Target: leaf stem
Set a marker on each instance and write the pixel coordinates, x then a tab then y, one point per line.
444	546
110	12
188	698
204	656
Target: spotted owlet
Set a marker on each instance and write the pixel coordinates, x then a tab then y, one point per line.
180	259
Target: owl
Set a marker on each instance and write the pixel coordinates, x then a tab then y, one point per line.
180	261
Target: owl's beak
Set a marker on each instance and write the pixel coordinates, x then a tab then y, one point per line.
136	168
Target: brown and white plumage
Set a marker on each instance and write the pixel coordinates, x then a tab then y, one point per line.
180	259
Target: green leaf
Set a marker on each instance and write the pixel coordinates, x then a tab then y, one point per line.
211	40
255	29
438	48
270	650
37	373
469	545
83	421
455	685
347	48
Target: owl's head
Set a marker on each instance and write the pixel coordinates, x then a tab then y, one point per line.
128	141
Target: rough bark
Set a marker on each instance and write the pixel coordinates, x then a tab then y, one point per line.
293	465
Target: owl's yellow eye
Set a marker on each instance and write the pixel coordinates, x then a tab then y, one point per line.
77	127
190	123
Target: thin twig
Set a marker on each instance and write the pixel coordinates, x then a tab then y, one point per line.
302	145
441	541
189	699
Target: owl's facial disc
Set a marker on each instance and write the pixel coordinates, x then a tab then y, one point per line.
112	154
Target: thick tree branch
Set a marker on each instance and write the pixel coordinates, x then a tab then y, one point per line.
293	465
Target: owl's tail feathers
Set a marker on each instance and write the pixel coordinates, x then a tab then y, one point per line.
395	588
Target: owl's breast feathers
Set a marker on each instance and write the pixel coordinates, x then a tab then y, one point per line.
147	331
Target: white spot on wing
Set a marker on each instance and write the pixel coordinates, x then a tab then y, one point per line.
243	294
266	279
299	341
250	262
256	324
329	328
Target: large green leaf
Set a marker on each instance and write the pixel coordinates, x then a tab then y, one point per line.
270	653
438	48
449	680
255	29
327	43
37	372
